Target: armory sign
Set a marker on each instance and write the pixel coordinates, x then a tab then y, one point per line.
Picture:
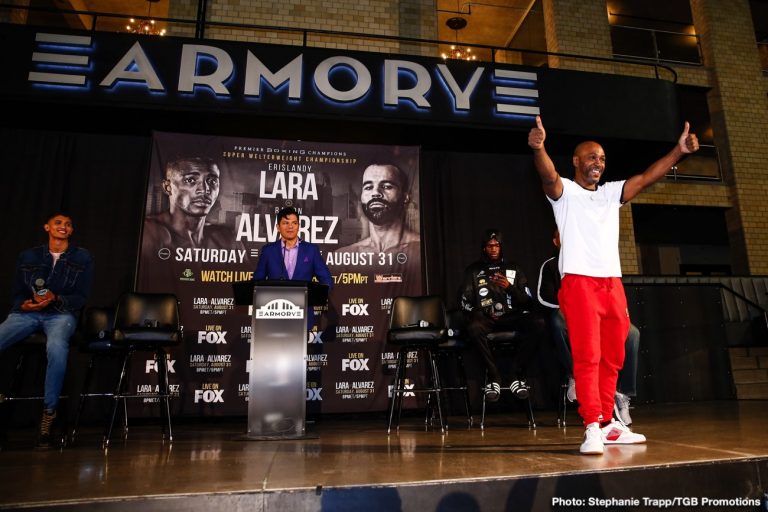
140	70
167	74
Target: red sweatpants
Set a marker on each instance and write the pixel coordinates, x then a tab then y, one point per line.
596	314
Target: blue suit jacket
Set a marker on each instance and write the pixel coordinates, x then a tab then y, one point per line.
309	264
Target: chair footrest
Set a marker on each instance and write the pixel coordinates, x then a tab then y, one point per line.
6	398
151	395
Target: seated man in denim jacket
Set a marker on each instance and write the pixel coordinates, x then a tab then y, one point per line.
50	287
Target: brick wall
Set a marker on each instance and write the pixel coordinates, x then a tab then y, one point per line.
686	194
630	260
405	18
739	110
665	193
18	16
578	27
184	10
738	107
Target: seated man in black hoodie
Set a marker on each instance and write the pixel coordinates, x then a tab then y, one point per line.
495	297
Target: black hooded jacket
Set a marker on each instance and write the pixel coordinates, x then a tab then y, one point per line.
479	293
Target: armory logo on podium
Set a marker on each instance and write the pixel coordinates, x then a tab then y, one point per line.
280	309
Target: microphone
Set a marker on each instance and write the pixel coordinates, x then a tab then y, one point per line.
420	323
39	288
40	292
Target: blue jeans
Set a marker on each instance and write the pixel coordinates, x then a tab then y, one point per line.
627	383
58	328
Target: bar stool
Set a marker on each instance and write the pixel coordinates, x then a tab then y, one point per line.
505	342
146	322
452	350
33	346
562	404
416	323
94	339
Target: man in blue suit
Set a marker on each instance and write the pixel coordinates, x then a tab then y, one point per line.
290	257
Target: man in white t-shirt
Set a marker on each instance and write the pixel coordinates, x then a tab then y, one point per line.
591	295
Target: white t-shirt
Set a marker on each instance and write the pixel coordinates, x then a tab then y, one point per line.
589	229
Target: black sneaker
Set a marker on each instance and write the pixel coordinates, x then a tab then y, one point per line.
519	389
44	434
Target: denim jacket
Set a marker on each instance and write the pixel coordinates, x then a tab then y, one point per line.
70	279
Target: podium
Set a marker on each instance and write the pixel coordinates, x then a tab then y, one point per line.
278	373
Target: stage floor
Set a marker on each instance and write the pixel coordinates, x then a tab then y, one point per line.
206	459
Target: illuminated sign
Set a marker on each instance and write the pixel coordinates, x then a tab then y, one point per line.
276	79
127	71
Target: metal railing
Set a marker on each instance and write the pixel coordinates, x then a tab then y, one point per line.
753	308
655	45
200	29
704	165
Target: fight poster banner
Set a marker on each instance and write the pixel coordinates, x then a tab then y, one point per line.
212	204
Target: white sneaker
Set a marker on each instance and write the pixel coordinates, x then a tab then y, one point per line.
621	409
571	393
617	433
593	440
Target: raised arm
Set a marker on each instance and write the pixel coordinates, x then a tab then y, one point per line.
687	143
550	179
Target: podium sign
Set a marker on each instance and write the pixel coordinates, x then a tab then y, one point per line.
278	378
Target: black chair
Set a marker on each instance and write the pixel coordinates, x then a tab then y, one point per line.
452	350
32	345
94	338
144	322
562	404
417	324
31	348
504	343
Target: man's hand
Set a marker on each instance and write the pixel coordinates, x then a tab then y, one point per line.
48	297
537	135
688	142
500	280
30	305
550	178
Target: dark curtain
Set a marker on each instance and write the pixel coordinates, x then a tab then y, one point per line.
101	180
462	194
98	179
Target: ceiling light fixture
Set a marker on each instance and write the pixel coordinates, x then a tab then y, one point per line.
456	51
146	26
